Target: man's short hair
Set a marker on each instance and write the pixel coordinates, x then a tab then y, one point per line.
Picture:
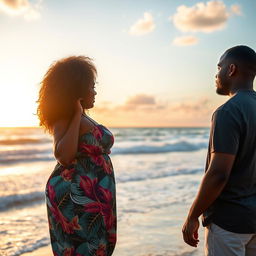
244	57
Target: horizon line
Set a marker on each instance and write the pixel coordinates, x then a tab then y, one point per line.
116	127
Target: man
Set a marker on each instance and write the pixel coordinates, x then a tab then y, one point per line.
227	195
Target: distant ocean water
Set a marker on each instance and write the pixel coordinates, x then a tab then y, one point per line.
157	172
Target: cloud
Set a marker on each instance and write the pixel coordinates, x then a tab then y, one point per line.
194	107
143	26
236	9
146	110
139	102
141	99
185	40
14	7
203	17
145	102
21	8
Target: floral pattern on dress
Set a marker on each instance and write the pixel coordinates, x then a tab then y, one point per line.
81	199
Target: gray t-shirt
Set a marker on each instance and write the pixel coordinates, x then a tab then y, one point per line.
233	131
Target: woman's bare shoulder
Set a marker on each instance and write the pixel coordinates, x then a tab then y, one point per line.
86	125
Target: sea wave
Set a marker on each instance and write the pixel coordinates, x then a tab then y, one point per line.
22	141
141	176
181	146
34	154
25	155
25	199
9	201
44	241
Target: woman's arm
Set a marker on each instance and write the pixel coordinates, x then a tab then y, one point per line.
66	133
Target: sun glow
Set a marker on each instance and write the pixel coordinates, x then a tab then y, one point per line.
17	101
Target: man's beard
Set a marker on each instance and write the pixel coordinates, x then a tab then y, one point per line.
222	90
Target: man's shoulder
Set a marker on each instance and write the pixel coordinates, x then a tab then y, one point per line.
230	108
238	101
233	104
227	106
237	106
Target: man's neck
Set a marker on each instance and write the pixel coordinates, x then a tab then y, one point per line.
241	86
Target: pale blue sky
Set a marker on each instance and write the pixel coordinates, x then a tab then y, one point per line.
132	68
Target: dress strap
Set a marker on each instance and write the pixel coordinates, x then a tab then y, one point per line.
90	119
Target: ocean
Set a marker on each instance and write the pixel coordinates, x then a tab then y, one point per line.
158	171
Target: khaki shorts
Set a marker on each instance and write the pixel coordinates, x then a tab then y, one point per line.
219	242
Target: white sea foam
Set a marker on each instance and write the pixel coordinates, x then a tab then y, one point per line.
37	146
146	175
25	199
181	146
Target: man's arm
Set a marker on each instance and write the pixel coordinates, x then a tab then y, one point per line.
212	184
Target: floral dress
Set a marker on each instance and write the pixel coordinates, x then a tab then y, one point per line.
81	199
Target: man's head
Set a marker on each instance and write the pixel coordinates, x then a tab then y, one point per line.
236	66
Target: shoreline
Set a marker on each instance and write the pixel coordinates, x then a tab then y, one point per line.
42	251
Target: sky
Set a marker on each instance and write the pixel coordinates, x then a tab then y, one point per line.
156	60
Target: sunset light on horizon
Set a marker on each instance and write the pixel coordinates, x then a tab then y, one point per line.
156	60
147	124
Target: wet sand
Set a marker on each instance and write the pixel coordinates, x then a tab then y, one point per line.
43	251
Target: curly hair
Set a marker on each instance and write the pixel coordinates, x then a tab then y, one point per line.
65	81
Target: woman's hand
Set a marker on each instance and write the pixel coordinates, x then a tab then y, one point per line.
79	108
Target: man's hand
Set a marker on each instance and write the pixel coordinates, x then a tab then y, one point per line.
214	180
190	231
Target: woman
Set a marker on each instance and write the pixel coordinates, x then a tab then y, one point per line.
80	192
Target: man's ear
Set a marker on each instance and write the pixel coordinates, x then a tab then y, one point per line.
232	69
